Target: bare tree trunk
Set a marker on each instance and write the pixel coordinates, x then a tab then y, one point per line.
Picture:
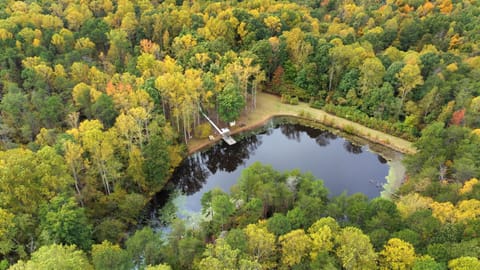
330	80
163	107
77	187
103	175
254	99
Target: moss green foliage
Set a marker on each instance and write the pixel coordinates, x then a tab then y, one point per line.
97	99
203	130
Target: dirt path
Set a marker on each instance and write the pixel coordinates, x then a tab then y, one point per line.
269	106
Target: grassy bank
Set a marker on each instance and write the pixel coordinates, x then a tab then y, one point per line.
269	106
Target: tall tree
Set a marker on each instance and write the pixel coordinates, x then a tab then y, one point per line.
355	250
144	247
397	254
372	71
409	78
261	245
295	247
230	103
55	257
107	256
62	221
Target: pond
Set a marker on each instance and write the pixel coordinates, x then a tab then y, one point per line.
343	165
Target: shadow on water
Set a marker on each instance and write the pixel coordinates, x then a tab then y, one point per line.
294	131
352	148
381	159
224	157
193	172
191	175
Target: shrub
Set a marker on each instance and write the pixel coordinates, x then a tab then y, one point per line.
285	99
349	129
397	129
203	130
294	101
317	104
305	114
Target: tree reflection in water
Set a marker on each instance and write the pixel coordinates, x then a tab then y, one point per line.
227	158
381	159
190	176
321	137
292	132
352	148
192	173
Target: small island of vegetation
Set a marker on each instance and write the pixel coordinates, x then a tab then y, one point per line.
100	101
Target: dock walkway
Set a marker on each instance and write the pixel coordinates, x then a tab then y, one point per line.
225	132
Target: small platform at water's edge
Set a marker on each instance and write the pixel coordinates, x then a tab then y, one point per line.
228	139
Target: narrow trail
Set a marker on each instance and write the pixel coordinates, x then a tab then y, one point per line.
269	106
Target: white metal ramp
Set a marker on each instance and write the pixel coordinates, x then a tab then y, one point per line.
225	132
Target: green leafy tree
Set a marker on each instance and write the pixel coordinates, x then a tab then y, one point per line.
237	239
383	213
55	257
426	263
311	196
218	205
63	221
278	224
189	248
230	103
107	256
104	109
355	250
249	213
144	247
156	163
381	102
297	218
431	154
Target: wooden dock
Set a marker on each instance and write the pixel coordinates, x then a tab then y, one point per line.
225	132
229	140
226	136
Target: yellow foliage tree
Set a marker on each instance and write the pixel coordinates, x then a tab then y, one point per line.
464	263
273	23
322	239
261	244
411	203
468	185
467	210
397	255
355	250
298	48
295	246
446	6
445	212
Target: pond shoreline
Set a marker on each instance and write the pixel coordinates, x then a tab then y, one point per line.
270	107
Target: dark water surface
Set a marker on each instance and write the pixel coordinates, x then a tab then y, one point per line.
342	165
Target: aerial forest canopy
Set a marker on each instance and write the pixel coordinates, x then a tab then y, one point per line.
98	99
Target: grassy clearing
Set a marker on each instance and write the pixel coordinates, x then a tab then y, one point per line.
269	106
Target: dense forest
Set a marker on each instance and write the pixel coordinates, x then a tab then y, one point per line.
99	98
